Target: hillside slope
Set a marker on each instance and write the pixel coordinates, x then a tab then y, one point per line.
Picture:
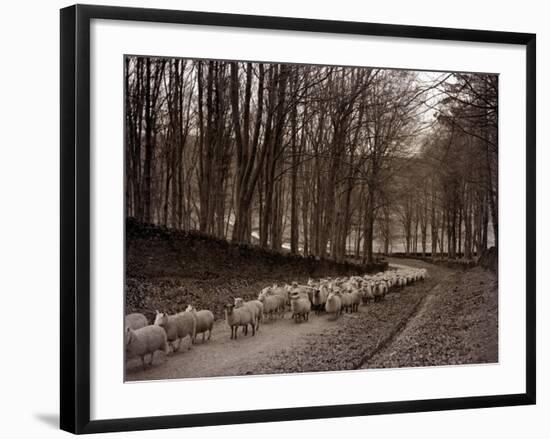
168	269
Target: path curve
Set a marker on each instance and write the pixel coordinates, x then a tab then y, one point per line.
224	357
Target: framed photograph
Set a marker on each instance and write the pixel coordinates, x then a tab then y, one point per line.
303	218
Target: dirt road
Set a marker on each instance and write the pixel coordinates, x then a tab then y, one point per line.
367	338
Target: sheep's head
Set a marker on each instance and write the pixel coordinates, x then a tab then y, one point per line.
229	308
128	333
161	319
238	302
190	308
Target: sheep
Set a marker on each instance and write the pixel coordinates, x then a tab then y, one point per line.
236	317
402	282
379	291
204	321
143	341
333	304
355	300
320	298
256	306
177	327
265	292
277	303
345	297
367	292
135	320
272	304
300	307
284	302
302	290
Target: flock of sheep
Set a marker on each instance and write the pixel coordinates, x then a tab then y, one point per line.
333	296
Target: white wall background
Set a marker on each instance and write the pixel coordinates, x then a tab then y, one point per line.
29	185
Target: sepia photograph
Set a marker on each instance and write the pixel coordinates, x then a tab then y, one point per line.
298	218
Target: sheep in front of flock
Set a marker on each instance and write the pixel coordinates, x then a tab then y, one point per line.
256	306
177	327
236	317
300	307
145	341
334	304
320	298
204	321
135	320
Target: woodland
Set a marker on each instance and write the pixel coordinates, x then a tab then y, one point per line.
329	161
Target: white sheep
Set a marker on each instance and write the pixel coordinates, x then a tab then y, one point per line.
276	304
144	341
334	304
303	290
355	300
204	321
135	320
367	292
345	297
300	307
236	317
271	305
379	291
177	327
256	306
320	298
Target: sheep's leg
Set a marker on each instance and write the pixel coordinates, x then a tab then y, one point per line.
253	329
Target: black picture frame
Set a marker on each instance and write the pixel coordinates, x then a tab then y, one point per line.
75	217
